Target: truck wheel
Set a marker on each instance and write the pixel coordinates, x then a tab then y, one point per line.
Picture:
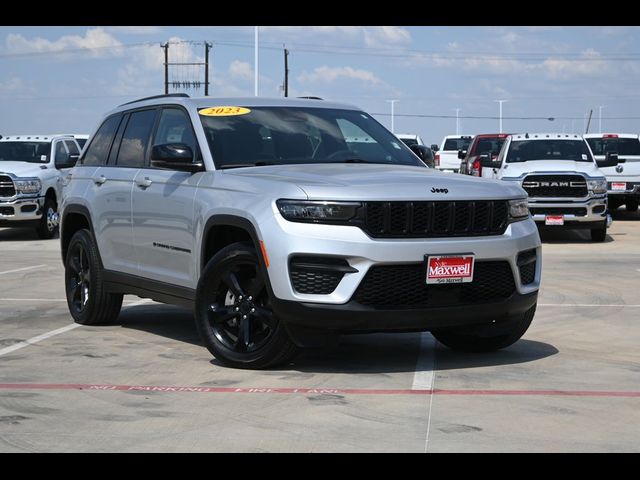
599	234
632	205
613	204
486	338
89	302
48	225
234	315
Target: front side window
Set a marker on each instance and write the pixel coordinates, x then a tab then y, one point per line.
32	152
295	135
61	153
621	146
98	150
552	149
175	127
72	147
134	142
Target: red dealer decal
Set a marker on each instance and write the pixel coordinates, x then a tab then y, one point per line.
450	269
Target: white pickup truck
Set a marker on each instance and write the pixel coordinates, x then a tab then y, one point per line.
558	171
32	168
623	179
447	157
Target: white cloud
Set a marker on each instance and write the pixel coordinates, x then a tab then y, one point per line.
242	70
100	41
11	84
135	30
326	74
383	36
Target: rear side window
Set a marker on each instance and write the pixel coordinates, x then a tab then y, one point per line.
98	150
135	139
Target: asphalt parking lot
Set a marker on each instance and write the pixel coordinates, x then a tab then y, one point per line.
145	383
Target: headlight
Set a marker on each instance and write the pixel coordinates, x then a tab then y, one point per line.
28	186
317	211
598	186
518	209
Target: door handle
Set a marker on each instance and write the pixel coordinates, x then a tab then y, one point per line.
99	180
143	182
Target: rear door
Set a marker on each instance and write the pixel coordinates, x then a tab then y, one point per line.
163	208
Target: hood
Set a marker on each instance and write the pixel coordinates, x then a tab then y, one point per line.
381	182
22	169
522	168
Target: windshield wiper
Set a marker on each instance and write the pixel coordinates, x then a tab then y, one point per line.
244	165
355	160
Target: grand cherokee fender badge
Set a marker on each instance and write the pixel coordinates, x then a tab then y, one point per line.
439	190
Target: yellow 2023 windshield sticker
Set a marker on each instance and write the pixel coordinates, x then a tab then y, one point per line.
224	111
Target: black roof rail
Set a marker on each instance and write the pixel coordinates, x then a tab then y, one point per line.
167	95
312	98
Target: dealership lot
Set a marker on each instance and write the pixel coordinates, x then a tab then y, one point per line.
571	384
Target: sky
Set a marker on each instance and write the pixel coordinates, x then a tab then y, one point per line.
63	79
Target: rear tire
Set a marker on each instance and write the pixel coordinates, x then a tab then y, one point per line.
87	298
233	312
48	227
632	205
599	234
486	338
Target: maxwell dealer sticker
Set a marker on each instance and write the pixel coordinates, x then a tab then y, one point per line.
224	111
554	220
450	269
618	186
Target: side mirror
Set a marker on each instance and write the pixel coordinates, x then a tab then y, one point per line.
487	161
610	160
424	153
69	161
462	154
434	147
174	156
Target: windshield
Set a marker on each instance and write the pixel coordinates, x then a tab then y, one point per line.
621	146
288	135
573	150
457	144
33	152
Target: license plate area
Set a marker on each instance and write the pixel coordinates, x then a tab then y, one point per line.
554	220
618	186
454	268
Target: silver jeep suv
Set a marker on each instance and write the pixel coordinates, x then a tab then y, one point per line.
286	222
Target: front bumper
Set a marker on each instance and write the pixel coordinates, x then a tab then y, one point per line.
21	210
632	188
577	213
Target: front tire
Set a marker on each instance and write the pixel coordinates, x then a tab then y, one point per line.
87	298
632	205
233	312
486	338
599	234
48	225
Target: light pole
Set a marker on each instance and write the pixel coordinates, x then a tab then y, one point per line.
501	102
393	103
255	60
457	121
600	117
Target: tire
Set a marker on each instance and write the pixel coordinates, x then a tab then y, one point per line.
87	298
599	234
486	338
632	205
233	314
47	228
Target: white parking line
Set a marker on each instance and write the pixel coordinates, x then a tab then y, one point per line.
53	333
569	305
22	269
424	377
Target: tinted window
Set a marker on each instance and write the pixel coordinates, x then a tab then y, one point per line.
409	141
527	150
61	153
175	127
98	150
457	144
134	142
621	146
71	146
35	152
285	135
492	145
81	141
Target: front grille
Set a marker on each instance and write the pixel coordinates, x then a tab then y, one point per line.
316	275
404	286
578	212
435	219
555	186
7	188
527	266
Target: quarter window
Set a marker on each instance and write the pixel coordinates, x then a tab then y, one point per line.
98	150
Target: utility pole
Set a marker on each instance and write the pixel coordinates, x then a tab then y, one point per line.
207	46
589	121
286	72
393	103
457	121
501	102
255	61
166	67
600	118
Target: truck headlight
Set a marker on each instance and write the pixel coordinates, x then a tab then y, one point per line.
518	209
598	186
317	211
31	185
